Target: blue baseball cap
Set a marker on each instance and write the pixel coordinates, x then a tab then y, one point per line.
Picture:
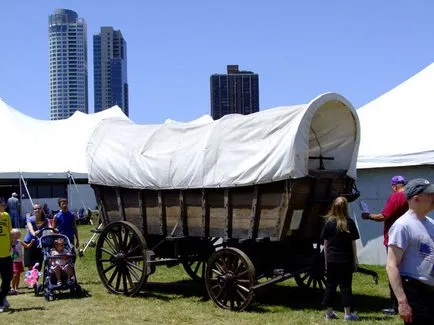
398	180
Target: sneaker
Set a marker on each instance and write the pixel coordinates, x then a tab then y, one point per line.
389	311
351	316
2	309
331	315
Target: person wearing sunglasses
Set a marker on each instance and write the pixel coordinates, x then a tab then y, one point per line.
35	223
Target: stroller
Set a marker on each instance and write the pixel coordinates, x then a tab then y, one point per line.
50	283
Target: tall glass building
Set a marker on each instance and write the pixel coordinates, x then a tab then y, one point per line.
68	64
110	70
234	92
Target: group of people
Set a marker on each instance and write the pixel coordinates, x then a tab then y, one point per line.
409	241
12	259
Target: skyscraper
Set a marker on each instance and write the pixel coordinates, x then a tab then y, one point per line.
110	70
68	64
234	92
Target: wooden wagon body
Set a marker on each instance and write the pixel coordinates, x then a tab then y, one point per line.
229	236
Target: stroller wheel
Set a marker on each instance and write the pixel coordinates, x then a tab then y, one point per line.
48	297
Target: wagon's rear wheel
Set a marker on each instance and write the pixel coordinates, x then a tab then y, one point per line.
196	266
121	258
230	275
315	277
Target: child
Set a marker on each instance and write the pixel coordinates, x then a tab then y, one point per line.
339	234
62	263
5	255
17	258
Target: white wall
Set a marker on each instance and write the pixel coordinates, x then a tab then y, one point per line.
374	187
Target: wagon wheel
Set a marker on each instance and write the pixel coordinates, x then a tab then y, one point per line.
121	258
230	276
196	267
315	277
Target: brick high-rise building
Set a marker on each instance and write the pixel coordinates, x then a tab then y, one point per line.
234	92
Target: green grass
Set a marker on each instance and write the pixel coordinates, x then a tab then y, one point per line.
172	298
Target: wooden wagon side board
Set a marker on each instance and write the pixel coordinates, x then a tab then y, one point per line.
254	212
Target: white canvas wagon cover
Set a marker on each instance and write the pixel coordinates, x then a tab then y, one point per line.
236	150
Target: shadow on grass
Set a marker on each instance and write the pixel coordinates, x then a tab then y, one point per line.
17	310
185	288
301	299
288	296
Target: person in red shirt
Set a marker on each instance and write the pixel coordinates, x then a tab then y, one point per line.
396	205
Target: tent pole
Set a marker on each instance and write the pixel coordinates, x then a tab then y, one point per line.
79	196
27	190
21	201
69	180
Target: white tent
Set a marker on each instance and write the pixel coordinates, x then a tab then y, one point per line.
47	149
396	140
236	150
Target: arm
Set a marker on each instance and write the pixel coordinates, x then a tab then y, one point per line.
394	257
25	245
356	261
378	217
30	227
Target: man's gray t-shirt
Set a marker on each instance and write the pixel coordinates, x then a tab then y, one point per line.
416	238
13	205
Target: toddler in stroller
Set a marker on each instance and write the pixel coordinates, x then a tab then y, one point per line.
61	261
59	271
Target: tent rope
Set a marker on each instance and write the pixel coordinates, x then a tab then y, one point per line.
71	178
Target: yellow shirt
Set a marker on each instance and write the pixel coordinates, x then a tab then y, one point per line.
5	234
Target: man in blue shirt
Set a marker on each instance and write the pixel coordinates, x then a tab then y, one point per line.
64	222
14	210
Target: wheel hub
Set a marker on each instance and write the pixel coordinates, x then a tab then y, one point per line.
227	279
120	259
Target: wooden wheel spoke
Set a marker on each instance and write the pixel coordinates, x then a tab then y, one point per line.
220	268
109	268
105	250
130	280
124	281
239	286
125	241
118	280
133	250
242	274
115	240
112	277
304	277
309	281
215	271
321	284
132	268
240	294
112	245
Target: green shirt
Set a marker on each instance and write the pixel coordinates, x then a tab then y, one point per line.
5	234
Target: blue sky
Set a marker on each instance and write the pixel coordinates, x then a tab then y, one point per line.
300	49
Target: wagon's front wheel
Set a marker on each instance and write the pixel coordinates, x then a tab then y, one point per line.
121	258
230	276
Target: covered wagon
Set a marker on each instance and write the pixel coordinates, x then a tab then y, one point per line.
238	201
